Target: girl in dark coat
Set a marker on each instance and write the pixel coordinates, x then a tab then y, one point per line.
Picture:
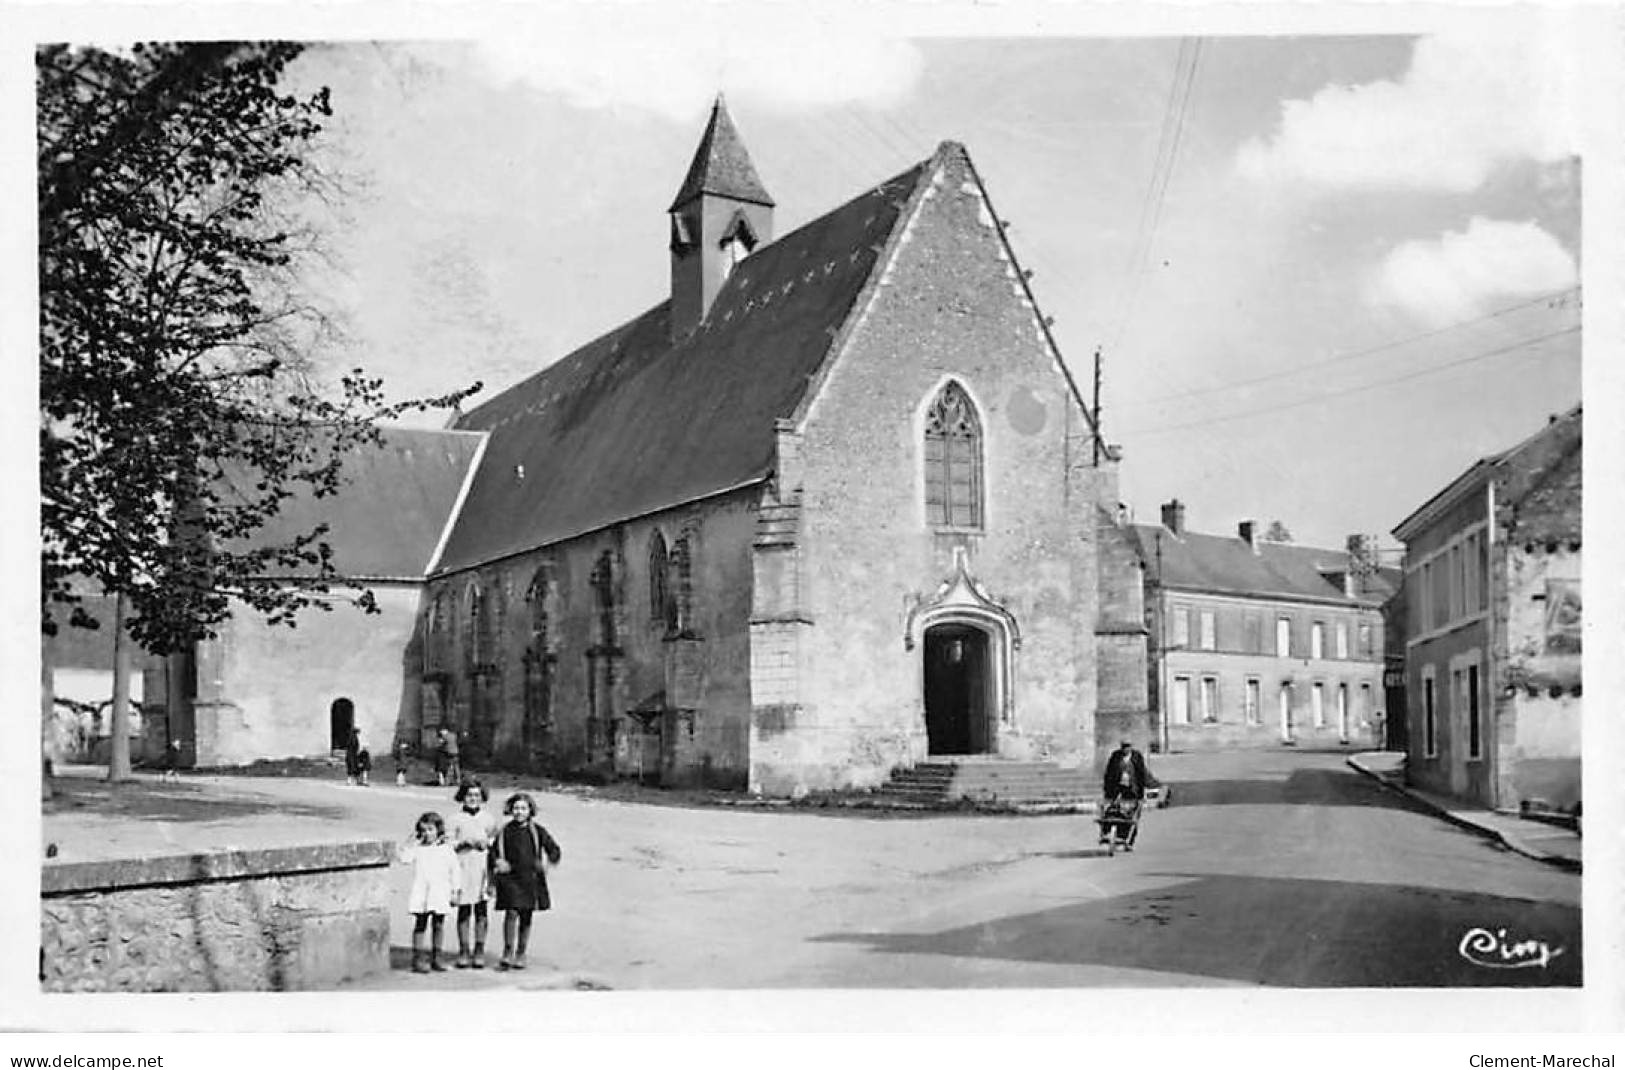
519	858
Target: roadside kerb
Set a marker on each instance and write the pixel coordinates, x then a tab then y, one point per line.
1463	818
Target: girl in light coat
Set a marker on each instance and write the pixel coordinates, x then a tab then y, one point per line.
473	830
436	881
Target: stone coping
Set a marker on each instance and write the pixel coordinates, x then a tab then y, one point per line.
66	878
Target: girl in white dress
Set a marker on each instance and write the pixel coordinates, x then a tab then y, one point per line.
436	881
473	828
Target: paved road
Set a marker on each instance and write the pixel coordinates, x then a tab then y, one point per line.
1282	868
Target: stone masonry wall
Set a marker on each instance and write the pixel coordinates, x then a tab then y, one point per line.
265	920
650	703
950	307
266	691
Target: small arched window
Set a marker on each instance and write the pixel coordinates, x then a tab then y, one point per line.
953	461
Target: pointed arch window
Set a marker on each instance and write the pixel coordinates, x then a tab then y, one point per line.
474	634
682	565
662	606
603	585
953	461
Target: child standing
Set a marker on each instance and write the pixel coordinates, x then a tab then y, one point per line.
521	852
473	829
436	878
403	759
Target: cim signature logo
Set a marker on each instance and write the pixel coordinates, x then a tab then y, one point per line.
1493	950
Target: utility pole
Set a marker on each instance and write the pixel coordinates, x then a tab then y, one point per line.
1159	653
1097	406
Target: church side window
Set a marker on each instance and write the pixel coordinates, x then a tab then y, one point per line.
475	650
953	461
682	569
603	585
662	606
434	638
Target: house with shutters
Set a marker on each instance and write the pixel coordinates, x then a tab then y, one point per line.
833	507
1258	644
1492	584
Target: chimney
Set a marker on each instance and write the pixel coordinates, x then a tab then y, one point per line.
1248	530
1173	516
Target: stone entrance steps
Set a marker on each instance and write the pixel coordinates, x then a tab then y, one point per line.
996	783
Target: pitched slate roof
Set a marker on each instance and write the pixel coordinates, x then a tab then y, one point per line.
1218	564
1549	509
632	423
721	165
393	509
1517	470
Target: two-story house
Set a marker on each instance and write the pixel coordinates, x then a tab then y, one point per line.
1259	644
1492	587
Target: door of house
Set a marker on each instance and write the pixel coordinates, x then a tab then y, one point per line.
957	690
1286	714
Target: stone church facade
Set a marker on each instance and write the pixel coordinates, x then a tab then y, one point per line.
834	507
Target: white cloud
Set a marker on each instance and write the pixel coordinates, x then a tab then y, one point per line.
1464	273
1466	103
673	64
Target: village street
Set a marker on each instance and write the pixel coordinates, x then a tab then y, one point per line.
1277	868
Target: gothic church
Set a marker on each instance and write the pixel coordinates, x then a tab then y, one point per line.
832	508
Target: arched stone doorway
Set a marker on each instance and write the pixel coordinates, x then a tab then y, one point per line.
341	720
961	713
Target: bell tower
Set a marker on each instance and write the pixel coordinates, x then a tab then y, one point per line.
721	214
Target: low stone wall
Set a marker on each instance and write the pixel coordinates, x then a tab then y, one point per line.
260	920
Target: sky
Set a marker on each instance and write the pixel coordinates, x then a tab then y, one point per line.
1324	273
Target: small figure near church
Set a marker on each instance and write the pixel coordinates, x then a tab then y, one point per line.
523	850
1126	773
402	752
171	761
357	760
448	766
1124	787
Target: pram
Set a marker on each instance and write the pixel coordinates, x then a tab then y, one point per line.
1119	822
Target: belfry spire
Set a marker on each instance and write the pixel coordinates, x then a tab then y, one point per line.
721	166
722	213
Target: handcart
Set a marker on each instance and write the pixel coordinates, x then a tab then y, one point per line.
1119	821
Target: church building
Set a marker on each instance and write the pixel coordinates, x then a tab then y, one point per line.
832	508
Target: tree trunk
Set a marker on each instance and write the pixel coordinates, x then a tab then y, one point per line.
47	723
118	759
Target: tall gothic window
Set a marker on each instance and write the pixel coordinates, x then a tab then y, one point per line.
682	566
953	461
434	638
475	651
662	607
603	585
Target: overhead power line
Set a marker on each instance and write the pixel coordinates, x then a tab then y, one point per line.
1357	354
1361	389
1173	132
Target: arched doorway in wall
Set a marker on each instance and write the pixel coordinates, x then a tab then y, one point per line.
341	721
960	707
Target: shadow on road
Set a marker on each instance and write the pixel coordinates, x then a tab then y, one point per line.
1302	787
1270	931
172	802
